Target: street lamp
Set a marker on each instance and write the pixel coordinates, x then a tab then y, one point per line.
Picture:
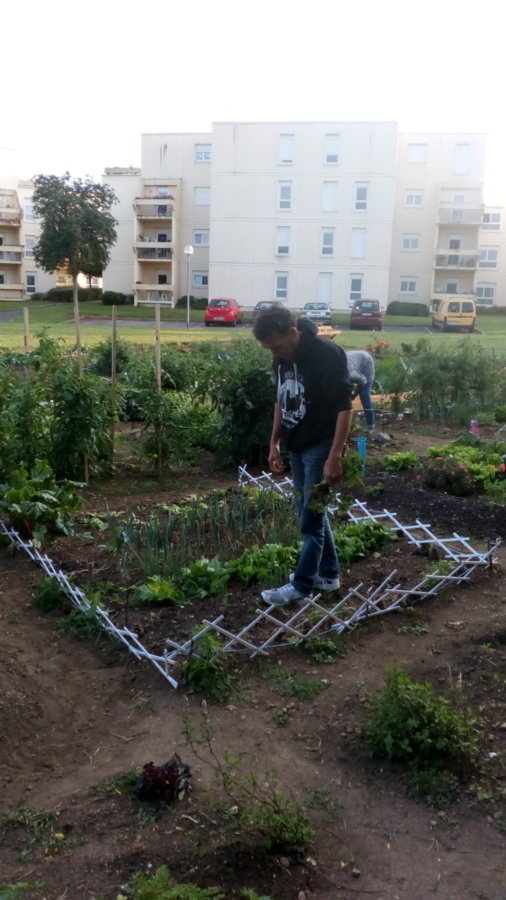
188	251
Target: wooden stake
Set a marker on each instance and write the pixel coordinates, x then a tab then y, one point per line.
26	318
113	381
158	354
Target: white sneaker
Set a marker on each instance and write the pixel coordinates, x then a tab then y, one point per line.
325	585
282	596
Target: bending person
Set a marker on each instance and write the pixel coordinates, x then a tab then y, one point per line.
361	372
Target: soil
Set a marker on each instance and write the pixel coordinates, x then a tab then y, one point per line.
75	716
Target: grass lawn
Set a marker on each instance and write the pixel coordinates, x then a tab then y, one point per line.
57	319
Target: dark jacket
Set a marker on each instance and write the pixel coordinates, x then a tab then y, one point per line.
312	389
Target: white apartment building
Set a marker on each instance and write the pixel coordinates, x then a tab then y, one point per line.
19	232
299	211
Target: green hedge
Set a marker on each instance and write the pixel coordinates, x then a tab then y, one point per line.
65	295
113	298
195	302
405	308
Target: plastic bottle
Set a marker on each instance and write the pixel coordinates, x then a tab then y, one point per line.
474	427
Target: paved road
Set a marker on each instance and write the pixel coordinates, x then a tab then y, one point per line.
7	314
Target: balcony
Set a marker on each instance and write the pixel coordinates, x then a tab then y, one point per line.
11	291
11	254
452	214
10	216
148	208
153	294
153	253
457	260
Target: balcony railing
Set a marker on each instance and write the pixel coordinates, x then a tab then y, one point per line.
10	216
450	214
457	260
147	209
10	254
151	255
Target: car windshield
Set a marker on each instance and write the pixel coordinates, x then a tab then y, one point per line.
367	305
220	304
315	306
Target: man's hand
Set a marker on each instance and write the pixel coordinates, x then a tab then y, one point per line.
333	469
276	464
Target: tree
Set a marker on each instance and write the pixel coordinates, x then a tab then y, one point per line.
78	228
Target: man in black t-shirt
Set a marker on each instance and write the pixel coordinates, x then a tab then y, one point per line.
312	418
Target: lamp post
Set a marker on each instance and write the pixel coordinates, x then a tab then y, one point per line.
188	251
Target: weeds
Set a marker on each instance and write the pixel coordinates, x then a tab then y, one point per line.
204	671
325	649
288	684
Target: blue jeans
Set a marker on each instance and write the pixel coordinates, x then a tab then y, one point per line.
365	399
318	555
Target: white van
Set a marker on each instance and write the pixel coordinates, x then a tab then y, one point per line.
451	311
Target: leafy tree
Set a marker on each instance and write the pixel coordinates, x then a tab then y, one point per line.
78	228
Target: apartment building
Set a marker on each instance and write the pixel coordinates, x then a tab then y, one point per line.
20	277
298	211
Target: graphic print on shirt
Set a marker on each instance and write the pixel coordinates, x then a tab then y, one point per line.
291	398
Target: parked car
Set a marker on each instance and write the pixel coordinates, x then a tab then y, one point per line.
453	312
318	312
223	311
264	304
366	314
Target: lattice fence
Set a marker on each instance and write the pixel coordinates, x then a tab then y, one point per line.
273	628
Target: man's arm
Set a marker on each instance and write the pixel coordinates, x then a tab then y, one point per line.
333	468
275	462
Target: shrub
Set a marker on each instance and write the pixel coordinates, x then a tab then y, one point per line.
113	298
405	308
446	473
195	302
66	294
409	723
159	886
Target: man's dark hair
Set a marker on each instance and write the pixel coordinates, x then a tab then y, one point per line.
276	320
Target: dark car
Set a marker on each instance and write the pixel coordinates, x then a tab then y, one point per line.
264	304
223	311
366	314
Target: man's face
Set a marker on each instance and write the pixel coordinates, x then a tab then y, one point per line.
282	346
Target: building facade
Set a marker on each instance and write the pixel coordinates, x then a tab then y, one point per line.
329	211
20	278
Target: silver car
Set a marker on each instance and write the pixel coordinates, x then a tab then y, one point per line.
318	312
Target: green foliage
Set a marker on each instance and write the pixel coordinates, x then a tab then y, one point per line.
405	308
204	670
35	504
324	649
500	413
158	591
261	564
160	886
78	229
178	426
195	302
357	539
50	595
83	624
125	783
463	467
288	684
204	578
100	358
113	298
409	723
11	891
394	462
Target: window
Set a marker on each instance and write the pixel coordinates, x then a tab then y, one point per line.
331	149
491	222
281	286
452	287
488	258
162	211
462	159
286	149
30	282
285	195
327	245
485	294
329	196
410	241
454	243
282	241
162	192
407	285
201	196
200	279
459	198
457	215
413	198
2	277
325	287
1	239
201	238
29	216
358	243
162	237
361	191
356	287
30	242
202	152
162	278
417	153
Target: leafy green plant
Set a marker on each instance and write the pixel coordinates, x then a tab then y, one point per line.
408	722
324	649
50	595
35	504
158	591
12	891
357	539
204	670
446	473
204	578
394	462
160	886
262	564
83	624
288	684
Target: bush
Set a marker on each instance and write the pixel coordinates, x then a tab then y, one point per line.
65	295
195	302
447	473
405	308
113	298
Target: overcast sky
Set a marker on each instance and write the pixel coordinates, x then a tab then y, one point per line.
82	81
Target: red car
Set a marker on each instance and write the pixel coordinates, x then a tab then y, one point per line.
223	311
366	314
